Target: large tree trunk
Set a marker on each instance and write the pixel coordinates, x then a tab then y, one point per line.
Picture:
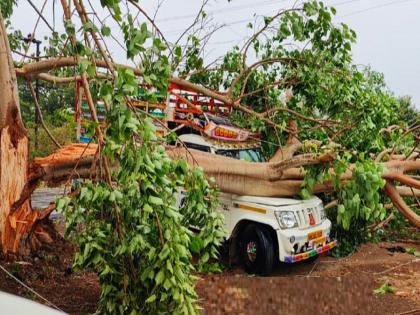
282	178
13	153
21	228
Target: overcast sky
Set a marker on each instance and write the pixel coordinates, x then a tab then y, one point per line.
388	30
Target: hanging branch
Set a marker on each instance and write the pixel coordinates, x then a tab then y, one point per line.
248	43
84	19
47	65
247	71
41	117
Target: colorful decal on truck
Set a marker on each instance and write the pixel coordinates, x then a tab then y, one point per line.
311	253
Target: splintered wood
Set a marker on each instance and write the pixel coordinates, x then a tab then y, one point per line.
68	153
72	161
14	164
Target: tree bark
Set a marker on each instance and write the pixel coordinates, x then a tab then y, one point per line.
283	178
13	154
292	145
400	204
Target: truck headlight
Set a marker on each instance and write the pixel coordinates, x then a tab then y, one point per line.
286	219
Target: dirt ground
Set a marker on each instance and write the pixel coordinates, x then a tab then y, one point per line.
328	286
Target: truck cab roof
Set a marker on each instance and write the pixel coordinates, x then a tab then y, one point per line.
248	151
217	144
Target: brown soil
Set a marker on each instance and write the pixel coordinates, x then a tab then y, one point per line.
332	286
48	272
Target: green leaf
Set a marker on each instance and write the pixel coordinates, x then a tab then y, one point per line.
89	26
205	257
151	298
62	203
118	195
178	51
167	284
305	194
169	266
155	200
106	31
91	70
69	27
84	64
159	277
196	245
165	252
147	208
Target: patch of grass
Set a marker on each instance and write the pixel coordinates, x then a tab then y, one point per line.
412	251
383	289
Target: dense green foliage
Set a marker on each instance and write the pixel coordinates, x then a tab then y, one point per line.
131	231
360	197
319	71
133	234
6	7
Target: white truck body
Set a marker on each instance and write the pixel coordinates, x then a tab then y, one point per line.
298	228
294	244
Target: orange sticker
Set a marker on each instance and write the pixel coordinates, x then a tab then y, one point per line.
314	235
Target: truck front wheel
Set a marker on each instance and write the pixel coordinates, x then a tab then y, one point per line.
256	250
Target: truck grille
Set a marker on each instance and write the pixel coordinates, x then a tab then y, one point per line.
308	217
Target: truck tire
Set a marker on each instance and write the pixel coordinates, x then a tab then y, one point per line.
256	250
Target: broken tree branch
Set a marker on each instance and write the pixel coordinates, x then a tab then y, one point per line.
41	117
400	204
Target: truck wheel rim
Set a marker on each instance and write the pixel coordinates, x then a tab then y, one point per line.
251	250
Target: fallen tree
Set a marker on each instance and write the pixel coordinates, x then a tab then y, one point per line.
282	176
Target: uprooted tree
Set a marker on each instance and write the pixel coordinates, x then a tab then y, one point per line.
329	127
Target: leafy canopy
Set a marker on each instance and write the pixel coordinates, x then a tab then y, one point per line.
299	67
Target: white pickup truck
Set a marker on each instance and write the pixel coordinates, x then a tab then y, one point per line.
264	230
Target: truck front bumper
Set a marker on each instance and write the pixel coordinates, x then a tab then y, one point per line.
310	253
300	244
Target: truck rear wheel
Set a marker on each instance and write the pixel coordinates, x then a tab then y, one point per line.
256	250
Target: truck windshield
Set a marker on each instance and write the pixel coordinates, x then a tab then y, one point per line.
250	155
